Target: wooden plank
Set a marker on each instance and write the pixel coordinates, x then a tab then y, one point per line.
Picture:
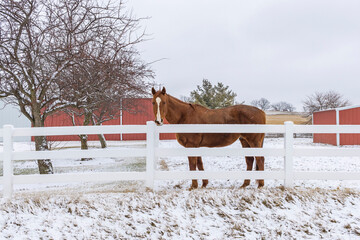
31	155
327	175
168	152
79	177
289	153
327	128
53	131
8	169
182	175
328	152
151	140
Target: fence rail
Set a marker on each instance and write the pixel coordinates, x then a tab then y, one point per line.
152	152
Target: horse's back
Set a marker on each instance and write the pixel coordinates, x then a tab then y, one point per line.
249	114
237	114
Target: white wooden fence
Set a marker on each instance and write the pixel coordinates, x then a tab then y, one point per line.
152	152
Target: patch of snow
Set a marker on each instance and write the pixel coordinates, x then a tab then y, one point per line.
310	210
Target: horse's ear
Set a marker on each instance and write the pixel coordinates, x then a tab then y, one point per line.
153	91
163	91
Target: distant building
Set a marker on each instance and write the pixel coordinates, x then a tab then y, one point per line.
338	116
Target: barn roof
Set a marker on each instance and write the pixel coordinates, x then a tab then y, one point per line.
340	109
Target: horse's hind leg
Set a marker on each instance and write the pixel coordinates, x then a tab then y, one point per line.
192	165
257	142
201	168
260	167
249	162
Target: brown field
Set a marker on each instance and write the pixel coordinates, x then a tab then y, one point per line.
281	118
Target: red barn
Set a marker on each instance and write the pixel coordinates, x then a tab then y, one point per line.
139	113
338	116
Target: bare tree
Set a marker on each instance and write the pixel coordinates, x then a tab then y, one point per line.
261	103
31	57
40	40
108	70
324	100
283	107
98	89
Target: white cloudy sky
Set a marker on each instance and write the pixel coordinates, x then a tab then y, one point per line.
280	50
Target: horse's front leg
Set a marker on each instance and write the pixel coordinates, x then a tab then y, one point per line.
249	167
201	168
192	165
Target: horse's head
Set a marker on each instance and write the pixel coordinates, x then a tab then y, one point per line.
159	102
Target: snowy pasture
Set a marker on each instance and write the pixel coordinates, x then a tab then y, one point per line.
116	210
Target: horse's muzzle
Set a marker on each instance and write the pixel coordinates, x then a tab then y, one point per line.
159	123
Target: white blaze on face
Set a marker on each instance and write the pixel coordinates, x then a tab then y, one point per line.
158	115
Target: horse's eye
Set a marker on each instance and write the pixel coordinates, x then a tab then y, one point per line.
164	103
153	103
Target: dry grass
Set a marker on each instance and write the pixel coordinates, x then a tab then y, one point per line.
163	165
281	118
268	213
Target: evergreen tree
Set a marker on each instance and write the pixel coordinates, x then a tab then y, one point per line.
217	96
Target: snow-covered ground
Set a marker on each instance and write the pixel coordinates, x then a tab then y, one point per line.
311	210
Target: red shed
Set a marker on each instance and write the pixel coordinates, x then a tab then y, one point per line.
338	116
139	113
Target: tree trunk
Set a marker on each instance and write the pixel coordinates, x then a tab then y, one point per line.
45	165
84	138
84	143
100	136
102	140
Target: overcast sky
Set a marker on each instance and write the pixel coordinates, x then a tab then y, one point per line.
279	50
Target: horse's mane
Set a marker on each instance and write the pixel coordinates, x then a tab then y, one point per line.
192	105
198	106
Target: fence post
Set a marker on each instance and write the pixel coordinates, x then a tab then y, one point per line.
7	161
151	141
289	152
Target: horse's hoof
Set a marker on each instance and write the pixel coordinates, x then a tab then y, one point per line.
205	183
260	183
246	183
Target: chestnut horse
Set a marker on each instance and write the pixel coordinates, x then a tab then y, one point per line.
179	112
